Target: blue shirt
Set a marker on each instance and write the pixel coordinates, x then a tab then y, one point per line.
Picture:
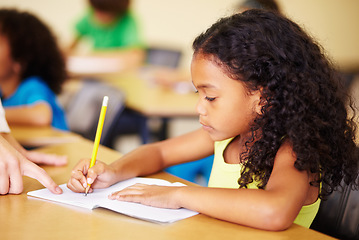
33	90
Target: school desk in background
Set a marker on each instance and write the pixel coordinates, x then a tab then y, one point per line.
32	137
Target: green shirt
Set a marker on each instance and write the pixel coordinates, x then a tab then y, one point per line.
122	33
226	175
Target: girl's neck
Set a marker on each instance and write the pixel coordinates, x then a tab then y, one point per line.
235	148
8	86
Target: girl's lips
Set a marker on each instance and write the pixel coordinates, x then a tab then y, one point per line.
206	127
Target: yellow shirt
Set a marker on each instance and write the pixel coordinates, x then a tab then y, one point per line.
226	175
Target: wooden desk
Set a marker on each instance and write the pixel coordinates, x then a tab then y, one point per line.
153	100
41	136
28	218
148	99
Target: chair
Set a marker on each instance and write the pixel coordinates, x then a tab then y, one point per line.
164	57
338	216
160	56
83	109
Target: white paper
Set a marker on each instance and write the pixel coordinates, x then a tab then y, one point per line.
88	65
99	198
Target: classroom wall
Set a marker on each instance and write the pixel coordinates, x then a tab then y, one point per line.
333	23
177	23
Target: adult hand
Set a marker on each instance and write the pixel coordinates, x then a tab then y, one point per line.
13	165
34	156
45	158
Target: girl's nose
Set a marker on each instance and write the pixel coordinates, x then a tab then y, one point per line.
201	110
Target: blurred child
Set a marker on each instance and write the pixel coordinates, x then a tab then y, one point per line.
270	5
275	117
32	71
112	29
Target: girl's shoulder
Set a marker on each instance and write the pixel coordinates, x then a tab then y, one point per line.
286	148
285	155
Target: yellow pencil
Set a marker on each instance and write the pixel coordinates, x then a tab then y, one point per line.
98	136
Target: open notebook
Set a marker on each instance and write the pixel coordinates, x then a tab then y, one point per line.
99	198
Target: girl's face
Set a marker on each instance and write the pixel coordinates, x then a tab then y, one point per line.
225	107
8	67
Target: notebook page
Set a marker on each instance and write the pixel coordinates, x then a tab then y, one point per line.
99	198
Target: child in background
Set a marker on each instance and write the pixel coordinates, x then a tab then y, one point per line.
32	71
274	116
270	5
113	30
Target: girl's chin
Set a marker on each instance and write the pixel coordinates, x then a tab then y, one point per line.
216	137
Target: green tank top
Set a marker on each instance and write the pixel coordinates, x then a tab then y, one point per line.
226	175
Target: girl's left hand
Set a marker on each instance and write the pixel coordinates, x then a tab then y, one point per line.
151	195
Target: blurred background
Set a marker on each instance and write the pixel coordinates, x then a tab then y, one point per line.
175	24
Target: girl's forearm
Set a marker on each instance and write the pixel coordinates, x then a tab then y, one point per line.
249	207
154	157
143	161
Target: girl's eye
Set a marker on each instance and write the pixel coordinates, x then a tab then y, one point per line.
210	98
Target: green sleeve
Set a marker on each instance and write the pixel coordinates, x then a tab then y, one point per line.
131	34
82	26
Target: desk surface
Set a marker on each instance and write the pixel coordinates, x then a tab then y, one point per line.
153	100
41	136
28	218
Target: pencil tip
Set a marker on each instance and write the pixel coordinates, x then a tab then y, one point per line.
87	190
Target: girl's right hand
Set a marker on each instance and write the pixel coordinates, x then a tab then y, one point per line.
100	175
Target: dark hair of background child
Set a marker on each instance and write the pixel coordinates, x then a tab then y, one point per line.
116	7
260	4
33	45
304	101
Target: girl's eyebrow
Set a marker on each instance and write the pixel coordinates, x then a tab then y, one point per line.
206	85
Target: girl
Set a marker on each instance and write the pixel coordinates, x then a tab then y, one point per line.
273	115
32	71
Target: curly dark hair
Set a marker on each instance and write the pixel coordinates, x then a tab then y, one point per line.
115	7
304	103
34	46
